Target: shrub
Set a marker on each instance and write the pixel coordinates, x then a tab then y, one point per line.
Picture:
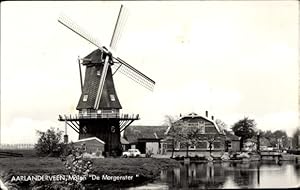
49	143
294	151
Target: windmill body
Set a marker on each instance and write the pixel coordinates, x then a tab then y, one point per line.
99	106
106	129
109	101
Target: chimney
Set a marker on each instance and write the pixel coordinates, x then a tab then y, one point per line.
206	113
66	139
212	117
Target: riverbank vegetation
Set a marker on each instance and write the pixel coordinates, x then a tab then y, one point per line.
142	169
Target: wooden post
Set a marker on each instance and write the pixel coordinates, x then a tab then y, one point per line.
66	138
0	135
258	143
81	83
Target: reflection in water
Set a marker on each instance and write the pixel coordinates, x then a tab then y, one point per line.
231	175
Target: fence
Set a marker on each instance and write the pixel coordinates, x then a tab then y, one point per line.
98	116
17	146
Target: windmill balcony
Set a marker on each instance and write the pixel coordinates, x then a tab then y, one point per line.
77	117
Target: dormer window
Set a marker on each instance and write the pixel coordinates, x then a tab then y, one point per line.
112	97
85	97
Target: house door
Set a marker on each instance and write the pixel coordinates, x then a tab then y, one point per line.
142	147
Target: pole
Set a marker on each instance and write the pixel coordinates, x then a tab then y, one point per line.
258	142
66	133
81	83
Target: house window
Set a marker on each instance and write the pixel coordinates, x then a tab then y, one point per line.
210	145
217	144
192	147
112	97
177	145
202	127
182	145
85	97
98	73
210	129
113	129
202	145
169	146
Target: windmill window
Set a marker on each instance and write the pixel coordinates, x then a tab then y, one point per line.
85	97
112	97
229	145
98	73
84	112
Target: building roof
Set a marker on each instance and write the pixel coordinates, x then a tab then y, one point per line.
89	139
230	136
194	115
264	141
124	141
91	85
135	132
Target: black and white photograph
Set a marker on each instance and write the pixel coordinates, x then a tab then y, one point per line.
150	95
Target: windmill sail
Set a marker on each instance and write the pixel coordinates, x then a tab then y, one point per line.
122	17
135	75
106	65
67	22
128	70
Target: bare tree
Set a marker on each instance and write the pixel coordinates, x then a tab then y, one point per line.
173	131
221	124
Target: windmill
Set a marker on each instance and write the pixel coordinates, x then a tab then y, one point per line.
99	106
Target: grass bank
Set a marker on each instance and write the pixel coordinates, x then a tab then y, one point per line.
140	170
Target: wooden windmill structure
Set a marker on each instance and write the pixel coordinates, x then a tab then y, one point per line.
99	106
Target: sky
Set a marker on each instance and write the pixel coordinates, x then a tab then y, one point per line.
231	58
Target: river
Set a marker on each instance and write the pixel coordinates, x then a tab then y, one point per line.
227	175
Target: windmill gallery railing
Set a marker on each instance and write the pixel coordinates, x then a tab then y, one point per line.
77	117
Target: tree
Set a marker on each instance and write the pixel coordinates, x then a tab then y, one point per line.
186	136
189	136
174	134
244	128
209	138
269	136
296	138
221	124
49	143
281	138
277	138
173	130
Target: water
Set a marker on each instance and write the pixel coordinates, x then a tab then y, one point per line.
228	175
